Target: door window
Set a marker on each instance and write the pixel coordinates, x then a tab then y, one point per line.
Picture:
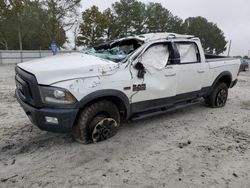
156	57
189	52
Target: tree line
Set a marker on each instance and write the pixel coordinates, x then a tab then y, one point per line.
34	24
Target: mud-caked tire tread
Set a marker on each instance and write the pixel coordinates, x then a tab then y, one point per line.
82	130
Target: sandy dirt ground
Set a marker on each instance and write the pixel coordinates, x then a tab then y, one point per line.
192	147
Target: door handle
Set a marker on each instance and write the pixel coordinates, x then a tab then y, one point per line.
168	75
168	67
200	71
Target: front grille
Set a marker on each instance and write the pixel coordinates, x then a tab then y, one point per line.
27	87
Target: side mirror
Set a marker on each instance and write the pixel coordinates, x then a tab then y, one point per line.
141	70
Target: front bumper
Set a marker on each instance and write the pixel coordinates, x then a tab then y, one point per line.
65	117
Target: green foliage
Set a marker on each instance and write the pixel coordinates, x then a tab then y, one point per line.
129	17
94	26
112	30
212	38
34	24
4	25
159	19
15	25
132	17
58	18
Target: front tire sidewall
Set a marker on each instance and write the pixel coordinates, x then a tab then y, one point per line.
82	132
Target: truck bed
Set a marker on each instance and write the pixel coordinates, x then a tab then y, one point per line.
213	58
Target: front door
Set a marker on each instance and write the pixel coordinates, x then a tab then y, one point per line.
154	82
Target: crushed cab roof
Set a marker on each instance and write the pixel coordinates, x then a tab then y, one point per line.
157	36
149	37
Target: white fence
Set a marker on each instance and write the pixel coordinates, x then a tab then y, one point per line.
17	56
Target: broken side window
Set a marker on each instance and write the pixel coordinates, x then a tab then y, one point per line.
188	52
156	57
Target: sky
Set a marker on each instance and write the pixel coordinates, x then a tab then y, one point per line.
233	17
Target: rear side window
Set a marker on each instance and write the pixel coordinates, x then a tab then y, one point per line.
189	52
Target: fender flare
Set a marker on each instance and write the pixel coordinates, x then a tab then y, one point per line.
225	73
106	93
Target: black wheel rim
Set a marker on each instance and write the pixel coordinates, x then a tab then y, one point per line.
221	98
104	129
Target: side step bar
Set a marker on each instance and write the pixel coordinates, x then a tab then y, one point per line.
144	115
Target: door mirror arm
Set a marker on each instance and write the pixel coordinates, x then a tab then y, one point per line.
141	70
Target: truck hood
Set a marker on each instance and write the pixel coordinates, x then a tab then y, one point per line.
67	67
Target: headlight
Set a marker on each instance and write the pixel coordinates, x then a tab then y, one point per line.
53	95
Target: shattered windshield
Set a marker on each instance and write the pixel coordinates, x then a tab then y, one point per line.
114	54
115	51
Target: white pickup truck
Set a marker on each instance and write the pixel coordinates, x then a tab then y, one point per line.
88	93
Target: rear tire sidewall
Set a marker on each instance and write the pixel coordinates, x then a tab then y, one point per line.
214	95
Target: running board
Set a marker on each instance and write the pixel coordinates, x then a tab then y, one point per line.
160	111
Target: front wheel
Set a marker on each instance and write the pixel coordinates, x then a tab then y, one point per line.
218	97
97	122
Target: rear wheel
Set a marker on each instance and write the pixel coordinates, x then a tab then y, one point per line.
218	97
97	122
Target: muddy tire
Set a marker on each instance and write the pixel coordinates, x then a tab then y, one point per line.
97	122
218	97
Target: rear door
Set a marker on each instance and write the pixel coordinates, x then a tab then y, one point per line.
190	69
